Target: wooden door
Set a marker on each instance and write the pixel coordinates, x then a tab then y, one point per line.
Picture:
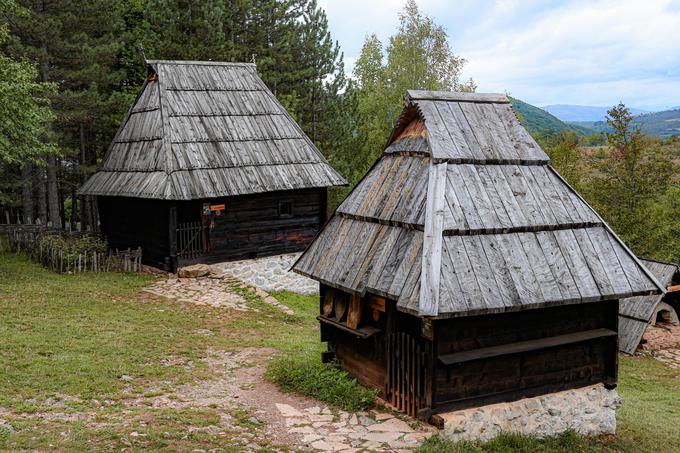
407	373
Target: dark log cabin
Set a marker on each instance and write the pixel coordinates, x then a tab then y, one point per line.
463	270
208	166
636	313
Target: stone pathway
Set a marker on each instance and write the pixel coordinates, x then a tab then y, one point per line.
270	273
220	292
663	342
302	423
670	357
325	430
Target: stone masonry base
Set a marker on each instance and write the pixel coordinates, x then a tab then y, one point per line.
270	273
590	411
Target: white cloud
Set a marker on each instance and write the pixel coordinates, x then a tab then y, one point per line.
579	52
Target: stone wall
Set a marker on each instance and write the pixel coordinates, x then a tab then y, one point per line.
270	273
590	411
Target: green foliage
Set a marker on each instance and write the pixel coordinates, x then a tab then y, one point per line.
72	246
418	56
24	104
566	442
632	187
325	382
565	156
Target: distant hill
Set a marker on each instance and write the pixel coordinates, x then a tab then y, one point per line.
543	124
578	113
660	124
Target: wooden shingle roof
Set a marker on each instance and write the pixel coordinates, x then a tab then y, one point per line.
464	215
208	129
635	313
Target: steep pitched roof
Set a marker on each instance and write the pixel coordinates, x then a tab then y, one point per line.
463	215
208	129
635	313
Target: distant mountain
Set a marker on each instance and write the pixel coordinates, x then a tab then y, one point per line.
543	124
660	124
577	113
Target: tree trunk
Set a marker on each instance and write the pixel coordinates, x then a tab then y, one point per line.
85	209
53	191
74	209
41	194
27	193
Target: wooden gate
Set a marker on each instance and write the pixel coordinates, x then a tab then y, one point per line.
191	241
407	373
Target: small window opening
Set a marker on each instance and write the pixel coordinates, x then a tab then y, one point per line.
285	209
664	317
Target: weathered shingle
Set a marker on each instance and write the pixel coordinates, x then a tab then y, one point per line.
494	228
206	129
635	313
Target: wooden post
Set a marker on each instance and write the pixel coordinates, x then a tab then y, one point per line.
172	236
324	207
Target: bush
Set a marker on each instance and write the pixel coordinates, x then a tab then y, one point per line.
325	382
72	246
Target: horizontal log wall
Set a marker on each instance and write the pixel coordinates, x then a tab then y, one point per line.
511	376
251	226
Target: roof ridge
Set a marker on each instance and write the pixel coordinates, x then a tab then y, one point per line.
457	96
200	63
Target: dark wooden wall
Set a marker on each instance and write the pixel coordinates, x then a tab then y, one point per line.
136	222
513	376
251	226
589	356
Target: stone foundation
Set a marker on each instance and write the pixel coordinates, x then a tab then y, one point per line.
590	411
270	273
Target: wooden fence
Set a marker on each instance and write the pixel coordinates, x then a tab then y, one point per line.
27	240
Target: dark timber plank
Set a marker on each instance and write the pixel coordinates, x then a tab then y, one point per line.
525	346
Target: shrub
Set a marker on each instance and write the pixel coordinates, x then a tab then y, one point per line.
325	382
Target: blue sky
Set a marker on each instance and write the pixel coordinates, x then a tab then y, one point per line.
543	52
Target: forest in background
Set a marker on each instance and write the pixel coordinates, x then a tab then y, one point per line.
69	70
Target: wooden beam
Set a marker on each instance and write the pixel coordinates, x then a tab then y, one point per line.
673	289
524	346
457	96
428	304
362	332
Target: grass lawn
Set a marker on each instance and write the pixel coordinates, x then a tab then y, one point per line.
73	349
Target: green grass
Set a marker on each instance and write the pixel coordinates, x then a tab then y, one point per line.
326	382
66	340
568	442
650	414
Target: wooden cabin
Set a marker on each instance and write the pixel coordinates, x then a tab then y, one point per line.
208	166
637	313
463	270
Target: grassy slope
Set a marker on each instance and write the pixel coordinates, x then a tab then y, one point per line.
660	124
74	336
541	123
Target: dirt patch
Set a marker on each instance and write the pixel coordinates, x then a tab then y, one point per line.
663	342
239	387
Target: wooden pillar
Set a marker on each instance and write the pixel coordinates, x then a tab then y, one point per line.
324	207
172	237
612	350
